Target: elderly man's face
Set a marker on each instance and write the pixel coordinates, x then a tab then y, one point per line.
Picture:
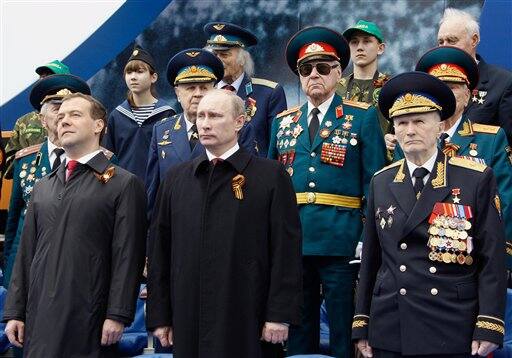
48	117
232	66
216	122
461	93
417	133
453	33
189	95
320	87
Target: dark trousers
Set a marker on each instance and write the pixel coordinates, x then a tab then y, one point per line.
378	353
337	278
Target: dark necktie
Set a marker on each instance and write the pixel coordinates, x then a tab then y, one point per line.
194	137
419	174
215	161
314	124
442	139
229	88
58	152
72	164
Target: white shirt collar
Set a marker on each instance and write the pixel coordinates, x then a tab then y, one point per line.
86	158
51	154
235	84
226	154
429	165
453	128
188	123
323	108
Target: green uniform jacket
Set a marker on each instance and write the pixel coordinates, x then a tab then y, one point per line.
330	230
489	145
27	132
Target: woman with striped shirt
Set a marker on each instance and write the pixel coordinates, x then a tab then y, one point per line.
130	125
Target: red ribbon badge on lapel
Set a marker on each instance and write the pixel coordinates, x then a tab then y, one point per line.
339	111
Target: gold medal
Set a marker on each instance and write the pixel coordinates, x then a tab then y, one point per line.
353	141
432	256
461	259
324	133
469	260
467	225
447	258
462	246
454	258
32	170
463	235
433	230
290	171
23	174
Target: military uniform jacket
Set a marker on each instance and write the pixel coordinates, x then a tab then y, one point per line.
264	100
80	258
221	266
170	146
331	175
31	164
129	141
414	301
487	144
27	131
491	101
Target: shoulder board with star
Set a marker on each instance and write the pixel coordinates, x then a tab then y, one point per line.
357	104
485	128
107	152
467	163
28	150
264	82
288	111
392	165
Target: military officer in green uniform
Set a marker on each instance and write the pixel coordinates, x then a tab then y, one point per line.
483	143
330	147
366	46
28	129
432	279
34	162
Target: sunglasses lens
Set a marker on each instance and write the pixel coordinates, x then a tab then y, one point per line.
305	69
323	68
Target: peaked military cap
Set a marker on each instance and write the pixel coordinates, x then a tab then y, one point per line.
194	65
56	87
223	35
450	64
364	26
55	67
416	92
314	43
140	54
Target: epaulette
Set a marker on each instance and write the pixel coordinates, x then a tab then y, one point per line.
485	128
392	165
357	104
107	152
288	111
264	82
466	163
28	150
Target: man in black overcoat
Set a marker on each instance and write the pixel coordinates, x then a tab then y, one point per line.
432	279
76	276
224	271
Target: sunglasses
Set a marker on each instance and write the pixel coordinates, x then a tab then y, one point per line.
322	68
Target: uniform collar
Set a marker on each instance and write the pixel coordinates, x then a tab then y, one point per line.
323	108
453	128
429	164
235	84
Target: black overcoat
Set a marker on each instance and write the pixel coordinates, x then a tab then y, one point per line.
79	261
220	267
411	301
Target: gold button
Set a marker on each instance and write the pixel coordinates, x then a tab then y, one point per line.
403	268
312	169
311	198
311	184
434	291
432	269
403	291
403	246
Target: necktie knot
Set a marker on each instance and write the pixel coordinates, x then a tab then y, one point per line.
58	151
56	162
71	165
419	174
442	139
315	111
229	88
215	161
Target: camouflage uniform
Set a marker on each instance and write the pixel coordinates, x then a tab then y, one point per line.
364	91
27	131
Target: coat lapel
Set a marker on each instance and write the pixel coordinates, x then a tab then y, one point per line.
435	190
463	136
242	92
303	138
329	116
179	138
402	190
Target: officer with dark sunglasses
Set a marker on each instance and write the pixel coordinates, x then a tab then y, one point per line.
331	148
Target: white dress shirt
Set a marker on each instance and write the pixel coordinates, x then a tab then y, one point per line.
429	165
322	108
235	84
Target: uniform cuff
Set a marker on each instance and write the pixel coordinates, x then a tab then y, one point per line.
489	328
360	326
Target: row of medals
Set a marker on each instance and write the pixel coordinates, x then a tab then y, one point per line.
448	240
32	171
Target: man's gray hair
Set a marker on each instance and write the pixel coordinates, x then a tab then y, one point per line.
472	26
245	60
